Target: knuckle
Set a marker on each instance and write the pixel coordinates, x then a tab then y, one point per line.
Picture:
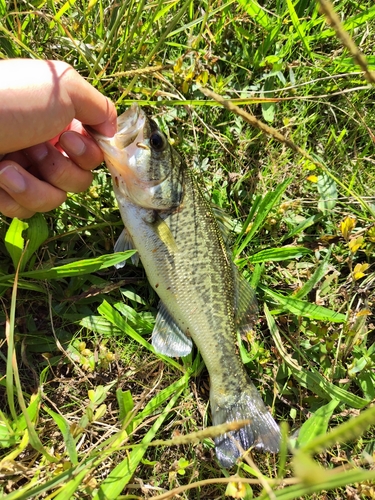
57	170
83	183
50	202
10	208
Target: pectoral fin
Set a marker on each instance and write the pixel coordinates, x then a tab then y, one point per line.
123	243
164	233
168	338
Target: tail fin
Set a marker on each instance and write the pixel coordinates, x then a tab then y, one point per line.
261	433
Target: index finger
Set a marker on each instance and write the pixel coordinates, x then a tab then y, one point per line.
91	107
41	98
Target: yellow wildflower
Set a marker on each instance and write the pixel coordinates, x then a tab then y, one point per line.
359	271
235	490
312	178
371	234
347	226
355	244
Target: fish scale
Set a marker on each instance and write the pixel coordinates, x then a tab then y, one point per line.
172	226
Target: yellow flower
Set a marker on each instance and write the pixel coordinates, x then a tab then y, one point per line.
312	178
347	226
235	490
371	234
355	244
359	271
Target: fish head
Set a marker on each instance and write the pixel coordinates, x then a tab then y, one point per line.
144	167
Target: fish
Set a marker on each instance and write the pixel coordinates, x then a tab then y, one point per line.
203	297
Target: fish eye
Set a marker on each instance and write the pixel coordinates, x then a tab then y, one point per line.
157	141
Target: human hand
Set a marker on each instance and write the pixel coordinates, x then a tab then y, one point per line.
43	105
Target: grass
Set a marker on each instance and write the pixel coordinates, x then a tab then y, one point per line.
88	410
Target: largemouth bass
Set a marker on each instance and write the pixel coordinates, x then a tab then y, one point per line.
202	296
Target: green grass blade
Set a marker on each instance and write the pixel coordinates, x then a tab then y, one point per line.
319	273
317	424
312	379
353	22
3	7
34	232
106	310
327	188
64	427
14	241
13	374
63	10
159	400
348	431
9	379
305	309
120	476
168	29
30	492
76	268
135	319
126	406
67	491
198	20
264	208
8	437
133	30
336	480
259	15
246	226
299	28
111	36
35	235
310	221
100	325
18	44
278	254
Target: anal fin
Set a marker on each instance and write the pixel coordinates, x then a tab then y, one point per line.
167	336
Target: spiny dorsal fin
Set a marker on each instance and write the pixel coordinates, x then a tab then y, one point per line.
168	338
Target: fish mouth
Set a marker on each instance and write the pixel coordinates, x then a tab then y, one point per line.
129	125
119	150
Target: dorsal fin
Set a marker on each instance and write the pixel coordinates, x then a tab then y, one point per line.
246	306
226	224
168	338
245	302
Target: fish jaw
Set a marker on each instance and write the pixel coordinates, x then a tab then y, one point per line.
120	151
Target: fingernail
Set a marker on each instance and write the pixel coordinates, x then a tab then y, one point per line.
12	180
38	152
72	144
